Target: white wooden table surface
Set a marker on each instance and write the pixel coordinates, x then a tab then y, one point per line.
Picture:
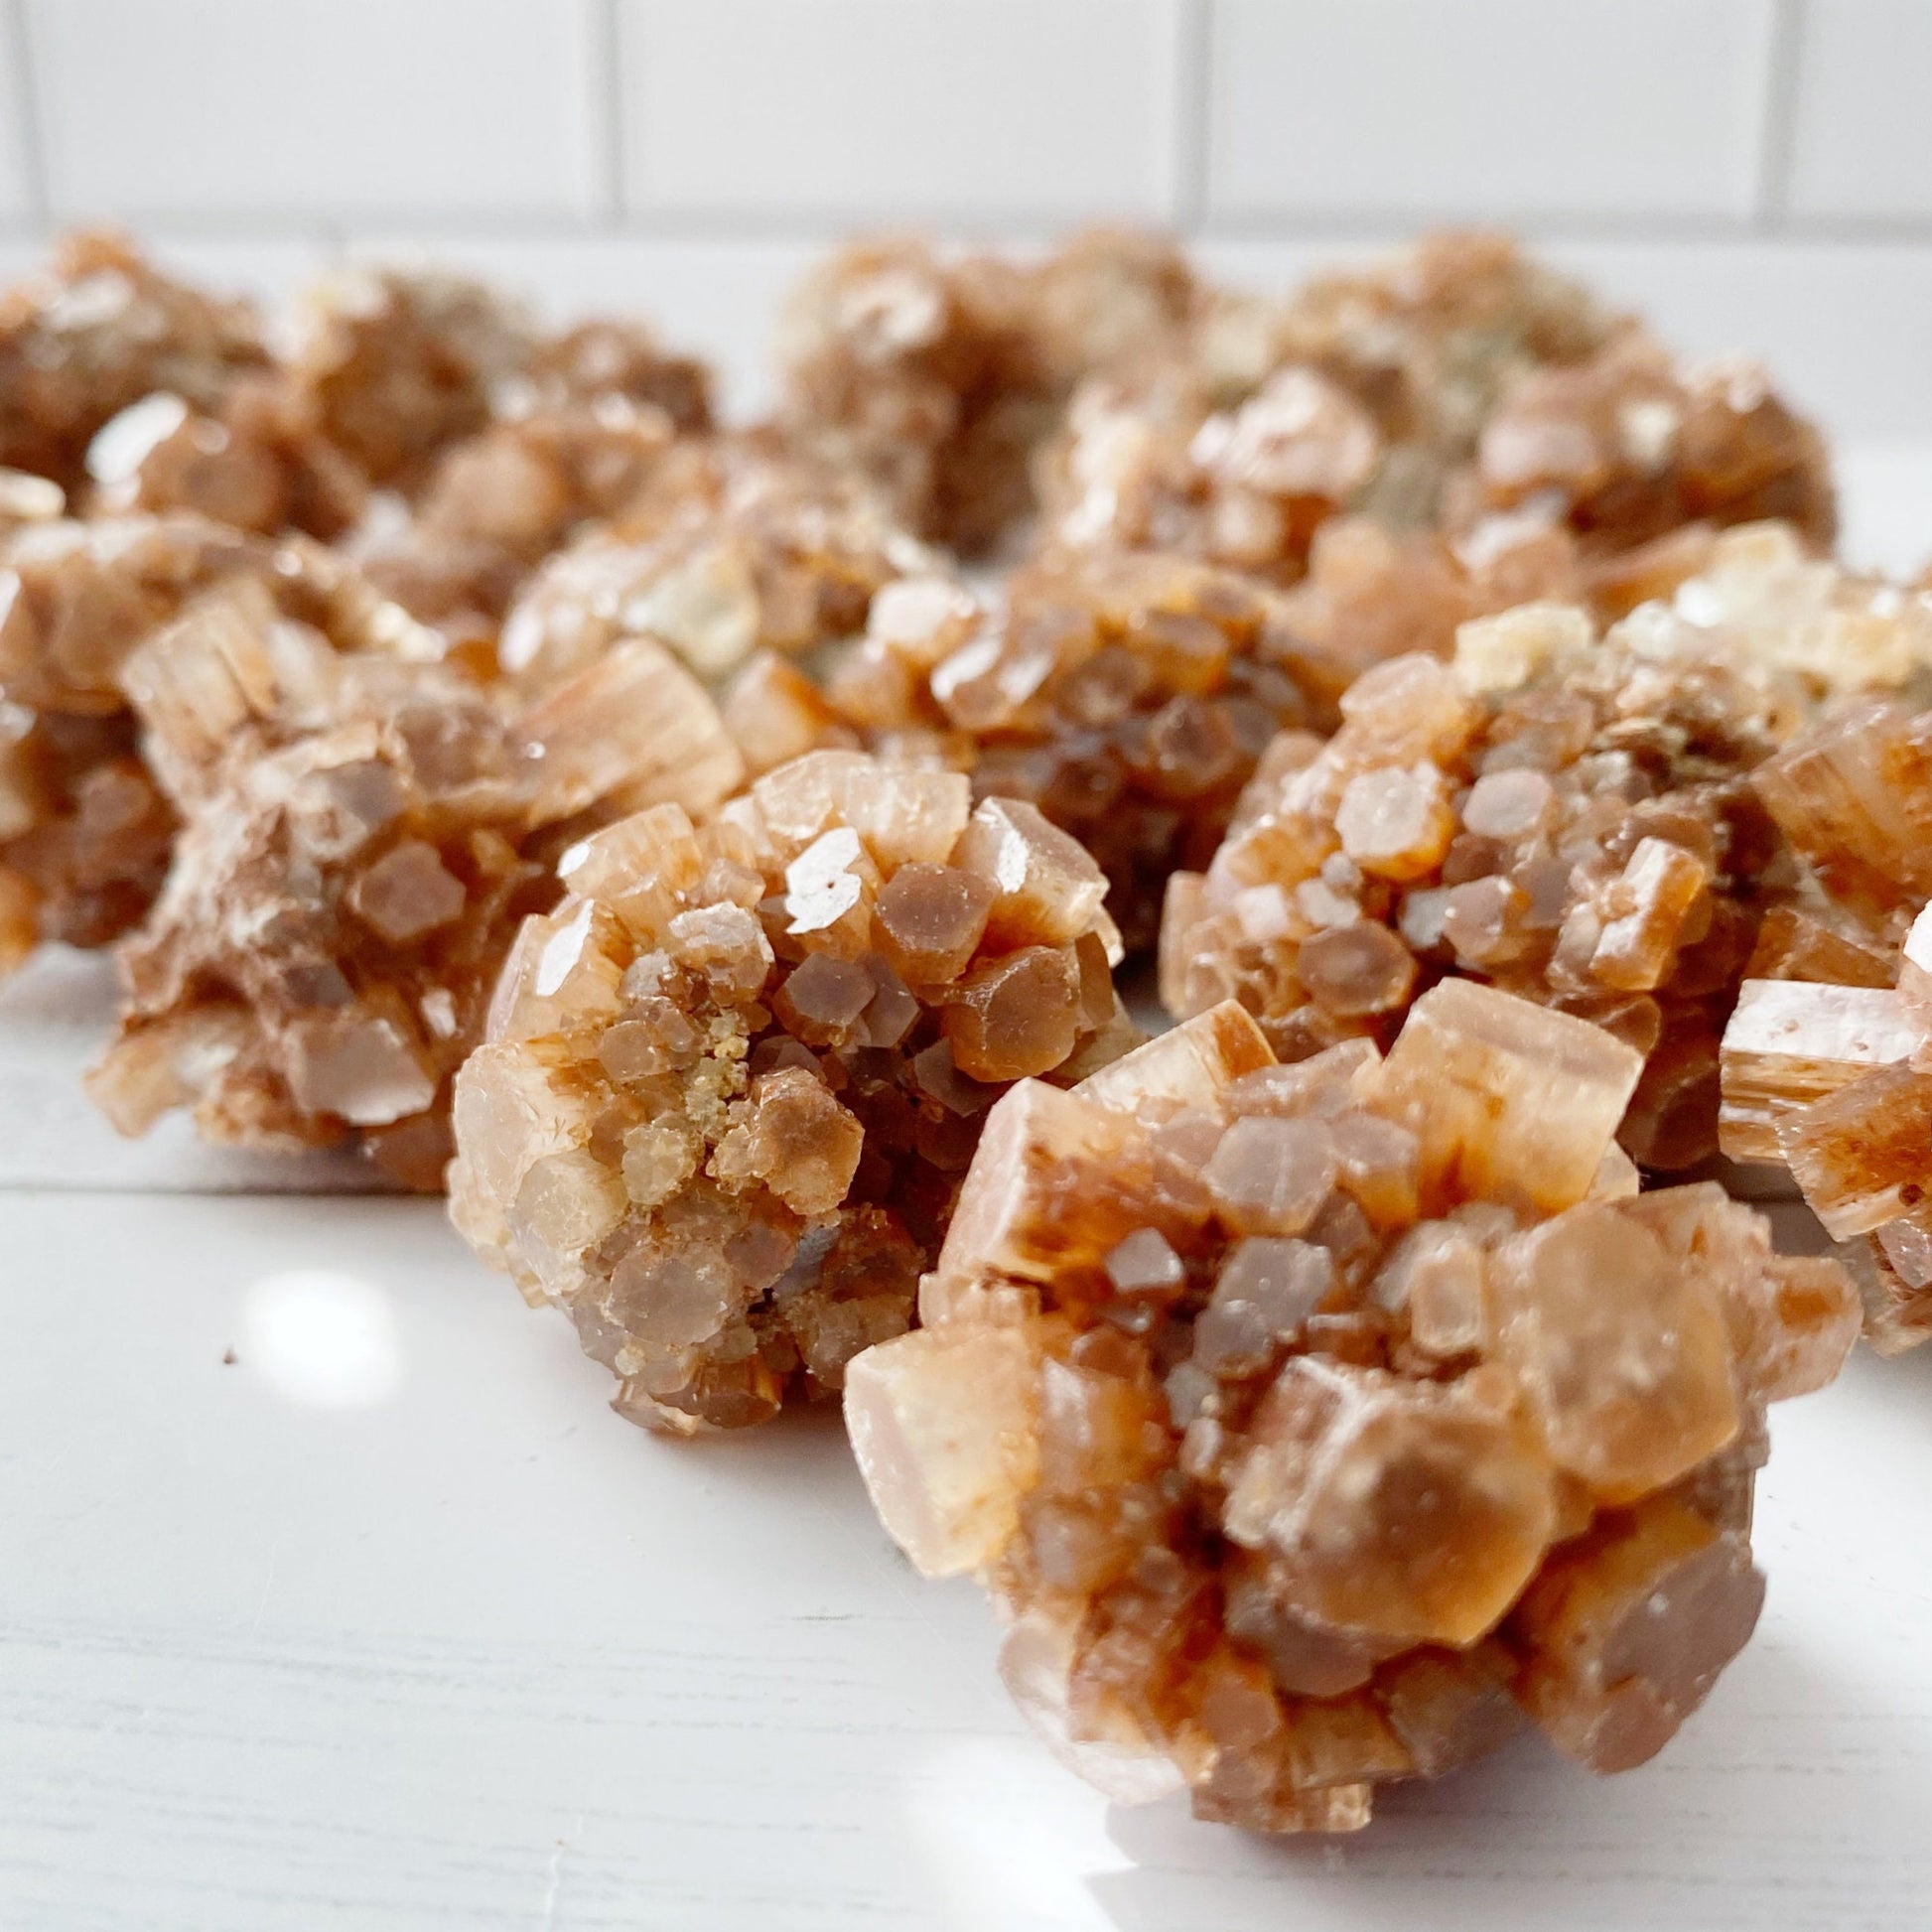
389	1624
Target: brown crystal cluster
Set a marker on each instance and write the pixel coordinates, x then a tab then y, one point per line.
84	830
1316	1426
361	834
737	545
1628	446
1827	1067
1365	389
1566	815
98	330
1457	380
1126	697
574	436
939	377
197	457
732	1082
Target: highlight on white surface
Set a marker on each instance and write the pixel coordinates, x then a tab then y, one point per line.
323	1339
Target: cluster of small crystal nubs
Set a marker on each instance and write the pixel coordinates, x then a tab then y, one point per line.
732	1082
101	330
1567	816
575	437
1365	390
361	834
736	545
1316	1425
1126	697
85	831
1459	380
1827	1063
939	377
197	460
1630	446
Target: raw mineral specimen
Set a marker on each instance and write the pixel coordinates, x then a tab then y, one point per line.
361	836
1365	389
736	545
85	833
732	1082
1629	445
255	458
1126	696
394	367
939	377
100	329
1570	818
1826	1064
548	434
1316	1425
500	502
576	434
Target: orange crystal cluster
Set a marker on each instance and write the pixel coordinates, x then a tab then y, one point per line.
1568	816
196	454
97	331
1827	1066
732	1082
1316	1425
738	546
1460	379
1235	438
361	834
85	833
940	377
1126	696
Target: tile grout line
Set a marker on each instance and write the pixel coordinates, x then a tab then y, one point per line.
817	228
1777	130
605	45
32	131
1191	106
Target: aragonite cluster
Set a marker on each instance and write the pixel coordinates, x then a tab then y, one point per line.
361	837
1827	1068
1126	697
709	847
940	377
415	421
736	547
1566	817
1316	1426
1235	438
1628	444
1457	380
732	1082
98	330
85	831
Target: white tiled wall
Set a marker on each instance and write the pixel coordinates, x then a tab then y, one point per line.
1448	107
1760	172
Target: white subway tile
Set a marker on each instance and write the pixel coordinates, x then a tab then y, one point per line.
1486	108
262	108
877	109
1862	135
